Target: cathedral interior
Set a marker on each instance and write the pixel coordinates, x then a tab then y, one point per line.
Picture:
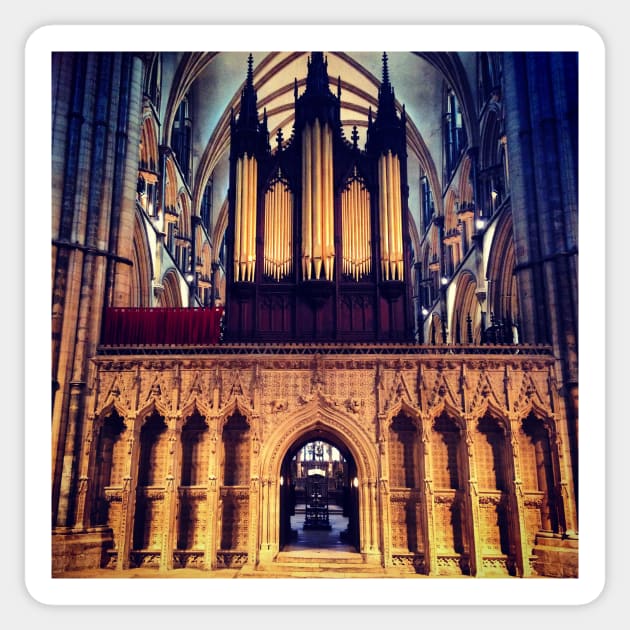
297	289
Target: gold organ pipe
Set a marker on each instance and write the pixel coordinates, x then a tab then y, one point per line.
266	233
363	231
237	220
317	199
247	201
390	213
289	256
324	171
349	230
244	217
282	254
279	231
304	221
383	217
248	253
360	230
398	216
252	208
307	201
368	215
394	214
329	243
270	233
344	229
355	229
282	225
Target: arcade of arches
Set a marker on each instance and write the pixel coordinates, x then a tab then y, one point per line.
454	459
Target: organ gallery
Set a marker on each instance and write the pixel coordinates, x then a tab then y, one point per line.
312	314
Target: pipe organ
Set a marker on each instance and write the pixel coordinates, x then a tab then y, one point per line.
390	216
318	250
278	230
313	200
356	234
245	219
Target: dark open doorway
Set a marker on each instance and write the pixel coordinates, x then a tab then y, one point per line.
319	506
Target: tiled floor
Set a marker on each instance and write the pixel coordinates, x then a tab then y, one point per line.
319	538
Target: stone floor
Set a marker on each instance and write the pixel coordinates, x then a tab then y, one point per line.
329	539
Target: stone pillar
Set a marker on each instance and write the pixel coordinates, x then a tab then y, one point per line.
171	484
430	551
267	548
372	546
541	95
84	176
124	201
212	500
254	494
385	526
472	499
82	519
518	523
124	538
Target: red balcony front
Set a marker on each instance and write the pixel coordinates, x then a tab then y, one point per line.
162	326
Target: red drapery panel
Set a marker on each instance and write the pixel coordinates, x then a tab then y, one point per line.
162	326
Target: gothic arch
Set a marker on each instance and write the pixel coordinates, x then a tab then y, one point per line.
406	408
311	418
196	404
236	404
466	305
444	407
153	405
142	270
171	297
185	221
148	158
503	300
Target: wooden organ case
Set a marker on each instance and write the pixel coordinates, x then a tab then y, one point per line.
317	240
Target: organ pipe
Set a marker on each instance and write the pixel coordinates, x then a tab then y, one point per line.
356	231
245	219
318	248
390	217
278	222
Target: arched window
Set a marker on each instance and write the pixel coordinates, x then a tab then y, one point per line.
153	86
206	206
181	137
426	200
454	133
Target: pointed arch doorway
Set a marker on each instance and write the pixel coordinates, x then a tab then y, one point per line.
319	499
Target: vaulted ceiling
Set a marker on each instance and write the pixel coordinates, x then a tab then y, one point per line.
418	80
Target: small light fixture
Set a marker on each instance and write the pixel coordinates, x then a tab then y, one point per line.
189	277
425	311
355	482
281	480
444	280
480	224
494	194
